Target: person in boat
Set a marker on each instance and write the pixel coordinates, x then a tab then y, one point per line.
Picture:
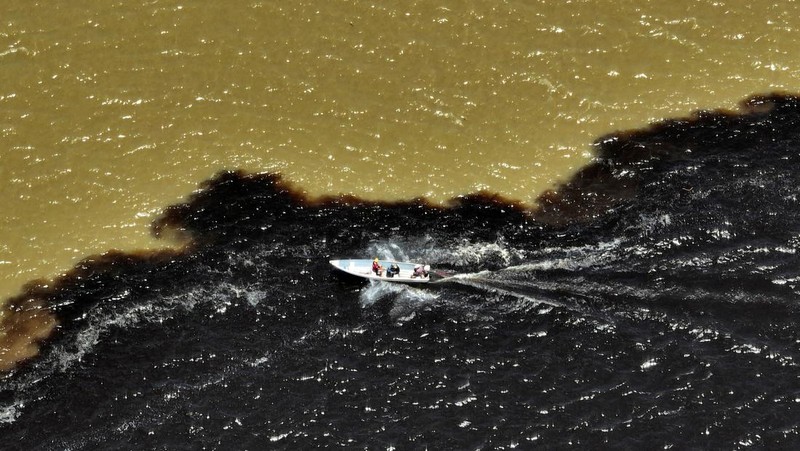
376	267
393	270
421	271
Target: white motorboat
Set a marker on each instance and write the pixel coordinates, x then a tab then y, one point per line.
363	268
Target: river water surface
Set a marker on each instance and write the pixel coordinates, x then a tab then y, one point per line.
635	289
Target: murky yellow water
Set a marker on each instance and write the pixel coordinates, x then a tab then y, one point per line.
109	111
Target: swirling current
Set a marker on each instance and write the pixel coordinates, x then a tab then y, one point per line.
651	302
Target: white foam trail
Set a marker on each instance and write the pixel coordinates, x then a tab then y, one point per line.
577	258
483	281
102	319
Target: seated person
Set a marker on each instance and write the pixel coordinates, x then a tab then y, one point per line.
376	267
393	270
421	271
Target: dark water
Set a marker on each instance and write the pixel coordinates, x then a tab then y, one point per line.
652	303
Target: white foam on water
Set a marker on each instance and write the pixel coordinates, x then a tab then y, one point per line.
405	300
279	437
114	313
484	281
746	348
649	364
377	290
101	320
650	223
467	277
9	413
388	250
266	358
468	253
576	258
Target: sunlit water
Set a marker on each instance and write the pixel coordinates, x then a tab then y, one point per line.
653	304
668	321
112	112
